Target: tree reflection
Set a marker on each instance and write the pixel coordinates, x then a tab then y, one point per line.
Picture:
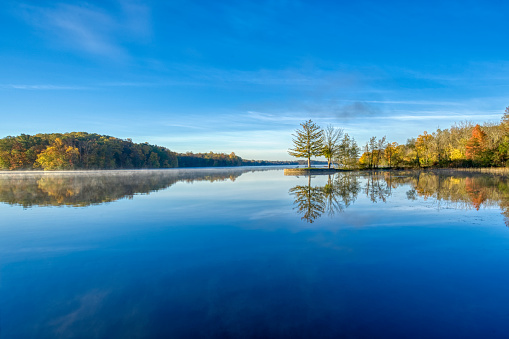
379	186
91	188
308	200
312	201
452	188
463	190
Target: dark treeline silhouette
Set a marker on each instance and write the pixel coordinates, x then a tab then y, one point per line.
211	159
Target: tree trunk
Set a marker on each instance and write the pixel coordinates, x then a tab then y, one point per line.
309	162
328	160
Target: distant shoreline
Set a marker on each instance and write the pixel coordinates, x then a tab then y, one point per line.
140	170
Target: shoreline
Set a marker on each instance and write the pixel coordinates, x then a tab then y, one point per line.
501	171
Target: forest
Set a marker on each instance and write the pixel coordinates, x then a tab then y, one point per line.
462	145
81	150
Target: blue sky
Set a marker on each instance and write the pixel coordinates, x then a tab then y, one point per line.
241	76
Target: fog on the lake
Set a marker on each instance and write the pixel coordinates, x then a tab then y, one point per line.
448	188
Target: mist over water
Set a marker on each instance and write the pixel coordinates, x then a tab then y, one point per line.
243	252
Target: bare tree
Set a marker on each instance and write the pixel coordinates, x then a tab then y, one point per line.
331	143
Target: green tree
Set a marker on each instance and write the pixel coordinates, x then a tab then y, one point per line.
348	152
308	141
153	160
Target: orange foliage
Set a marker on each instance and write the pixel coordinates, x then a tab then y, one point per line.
476	194
475	144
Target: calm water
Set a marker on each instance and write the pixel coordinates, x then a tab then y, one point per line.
253	254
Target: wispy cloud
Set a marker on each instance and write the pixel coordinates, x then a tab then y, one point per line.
305	77
91	29
413	102
443	116
189	126
40	87
275	117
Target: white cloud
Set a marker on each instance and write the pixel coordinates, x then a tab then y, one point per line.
89	28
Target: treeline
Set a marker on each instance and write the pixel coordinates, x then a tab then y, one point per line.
80	150
462	145
211	159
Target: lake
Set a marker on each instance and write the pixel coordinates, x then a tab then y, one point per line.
252	253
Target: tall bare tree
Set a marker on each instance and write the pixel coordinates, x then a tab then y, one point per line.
331	143
380	149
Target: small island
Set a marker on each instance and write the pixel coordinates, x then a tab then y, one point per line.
463	145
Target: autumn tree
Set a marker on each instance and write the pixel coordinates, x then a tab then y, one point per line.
58	156
308	141
391	154
475	145
411	156
439	145
423	147
365	159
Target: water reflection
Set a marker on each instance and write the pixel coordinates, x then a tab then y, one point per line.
445	187
312	201
227	260
378	187
467	191
81	189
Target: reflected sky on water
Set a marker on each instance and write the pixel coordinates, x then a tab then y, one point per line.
252	253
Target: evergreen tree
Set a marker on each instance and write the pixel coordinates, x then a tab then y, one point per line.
308	141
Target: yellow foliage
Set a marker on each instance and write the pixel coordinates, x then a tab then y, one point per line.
364	159
456	154
58	156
